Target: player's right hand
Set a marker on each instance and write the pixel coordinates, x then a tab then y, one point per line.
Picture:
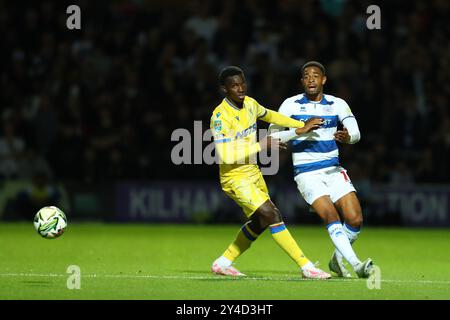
310	125
269	142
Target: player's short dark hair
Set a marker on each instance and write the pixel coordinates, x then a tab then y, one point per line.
229	71
313	64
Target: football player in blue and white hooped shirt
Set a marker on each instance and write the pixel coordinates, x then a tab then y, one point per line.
322	182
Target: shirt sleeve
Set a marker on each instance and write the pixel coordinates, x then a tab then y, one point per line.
348	120
353	130
260	110
279	132
285	135
344	111
281	120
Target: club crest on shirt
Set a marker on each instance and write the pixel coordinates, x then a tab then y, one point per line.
217	125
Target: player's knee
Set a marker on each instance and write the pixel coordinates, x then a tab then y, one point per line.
276	215
255	226
268	216
355	221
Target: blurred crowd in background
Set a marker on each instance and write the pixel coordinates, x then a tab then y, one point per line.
100	103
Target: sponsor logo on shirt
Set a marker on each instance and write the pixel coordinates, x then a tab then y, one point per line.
246	132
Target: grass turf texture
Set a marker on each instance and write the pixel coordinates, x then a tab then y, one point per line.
173	262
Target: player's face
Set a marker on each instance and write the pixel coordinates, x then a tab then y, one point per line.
313	80
236	88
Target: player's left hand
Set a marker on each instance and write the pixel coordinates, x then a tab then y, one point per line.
342	136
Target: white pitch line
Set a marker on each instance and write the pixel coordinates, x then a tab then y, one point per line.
177	277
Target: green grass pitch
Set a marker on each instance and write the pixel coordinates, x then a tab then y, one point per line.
144	261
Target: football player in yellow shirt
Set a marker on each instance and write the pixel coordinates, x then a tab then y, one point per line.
233	124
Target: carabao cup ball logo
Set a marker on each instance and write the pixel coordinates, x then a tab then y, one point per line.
217	125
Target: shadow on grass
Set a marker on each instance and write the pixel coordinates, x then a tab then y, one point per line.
251	273
255	275
37	283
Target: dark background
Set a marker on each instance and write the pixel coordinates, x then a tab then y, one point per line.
98	105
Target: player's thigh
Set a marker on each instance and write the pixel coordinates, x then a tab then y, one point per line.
339	184
325	208
261	183
314	190
350	209
311	186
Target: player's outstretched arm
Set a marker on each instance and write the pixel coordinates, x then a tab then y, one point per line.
310	125
283	135
286	135
281	120
279	132
286	122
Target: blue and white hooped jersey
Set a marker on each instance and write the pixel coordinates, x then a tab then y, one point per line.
317	149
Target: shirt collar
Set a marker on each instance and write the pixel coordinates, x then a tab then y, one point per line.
233	105
305	100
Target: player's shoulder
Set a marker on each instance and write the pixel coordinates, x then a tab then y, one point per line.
218	110
291	102
251	101
294	99
334	100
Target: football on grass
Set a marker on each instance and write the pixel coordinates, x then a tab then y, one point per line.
50	222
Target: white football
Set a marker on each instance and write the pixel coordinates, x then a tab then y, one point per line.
50	222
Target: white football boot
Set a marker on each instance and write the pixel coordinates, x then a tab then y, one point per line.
364	269
226	270
314	273
337	266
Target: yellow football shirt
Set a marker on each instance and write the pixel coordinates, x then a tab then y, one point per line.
234	132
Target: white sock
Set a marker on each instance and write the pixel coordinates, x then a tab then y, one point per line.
352	234
342	243
223	262
309	265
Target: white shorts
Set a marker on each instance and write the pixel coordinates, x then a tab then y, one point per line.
332	181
